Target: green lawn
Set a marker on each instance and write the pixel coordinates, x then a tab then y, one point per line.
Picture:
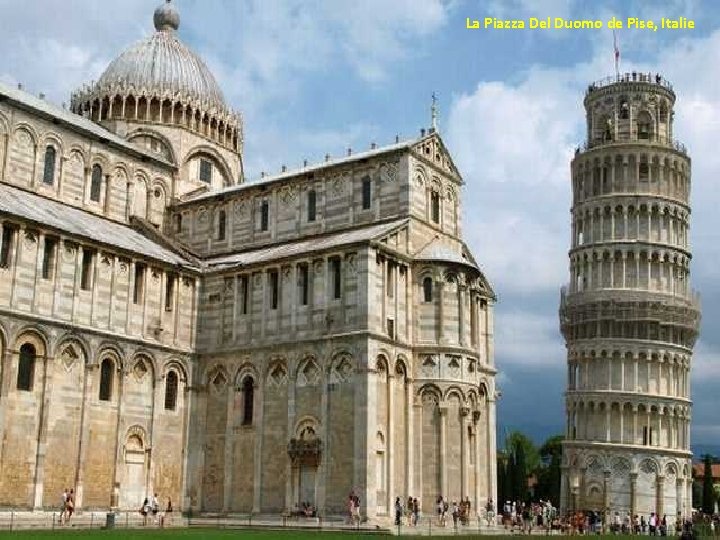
213	534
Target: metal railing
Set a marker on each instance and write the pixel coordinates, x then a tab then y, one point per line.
653	140
630	77
12	520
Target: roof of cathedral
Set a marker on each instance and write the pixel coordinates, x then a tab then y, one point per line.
441	252
17	202
163	66
374	152
75	121
300	247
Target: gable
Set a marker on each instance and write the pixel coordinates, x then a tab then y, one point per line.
431	149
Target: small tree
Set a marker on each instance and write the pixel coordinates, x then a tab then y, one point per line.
708	493
520	474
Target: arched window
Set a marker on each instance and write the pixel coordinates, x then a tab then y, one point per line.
311	201
427	289
96	183
644	126
26	367
49	170
248	399
106	380
222	223
171	388
264	216
435	206
624	110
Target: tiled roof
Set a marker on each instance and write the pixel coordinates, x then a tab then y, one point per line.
309	169
436	251
699	470
293	249
75	120
74	221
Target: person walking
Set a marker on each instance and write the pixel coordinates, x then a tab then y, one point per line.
63	506
398	511
70	505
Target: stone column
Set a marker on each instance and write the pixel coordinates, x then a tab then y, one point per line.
289	468
259	430
606	495
464	457
443	410
229	450
633	493
660	496
389	442
409	434
39	480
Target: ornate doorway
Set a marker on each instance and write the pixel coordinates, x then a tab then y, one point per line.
304	452
133	486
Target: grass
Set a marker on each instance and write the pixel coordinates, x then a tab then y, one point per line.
219	534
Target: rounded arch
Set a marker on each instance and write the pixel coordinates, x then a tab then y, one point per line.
136	438
382	361
70	348
136	134
429	389
246	369
454	390
101	159
177	365
24	127
215	156
147	357
402	366
112	351
71	338
307	426
34	336
51	138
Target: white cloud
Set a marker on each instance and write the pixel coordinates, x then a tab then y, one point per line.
528	339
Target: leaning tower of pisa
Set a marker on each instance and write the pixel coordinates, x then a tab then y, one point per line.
628	315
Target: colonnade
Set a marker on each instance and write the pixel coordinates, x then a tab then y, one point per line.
223	129
637	268
648	171
659	375
648	221
618	421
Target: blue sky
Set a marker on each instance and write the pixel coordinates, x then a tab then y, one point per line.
313	77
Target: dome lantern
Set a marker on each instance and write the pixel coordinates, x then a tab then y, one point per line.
166	17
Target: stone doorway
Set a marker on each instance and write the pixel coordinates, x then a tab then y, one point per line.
133	486
304	453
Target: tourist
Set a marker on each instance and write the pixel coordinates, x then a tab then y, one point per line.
70	505
416	511
410	511
168	511
455	514
154	506
144	509
652	524
63	506
398	511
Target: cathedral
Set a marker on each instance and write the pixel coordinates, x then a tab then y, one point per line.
166	327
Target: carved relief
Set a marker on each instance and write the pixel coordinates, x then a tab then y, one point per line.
309	374
288	194
240	209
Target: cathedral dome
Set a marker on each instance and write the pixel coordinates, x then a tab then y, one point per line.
159	80
163	66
